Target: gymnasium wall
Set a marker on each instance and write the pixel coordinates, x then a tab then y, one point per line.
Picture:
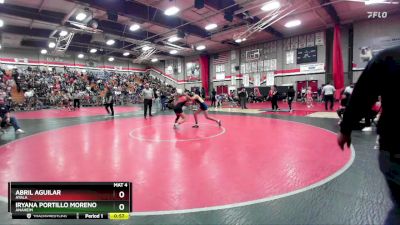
282	71
374	34
15	56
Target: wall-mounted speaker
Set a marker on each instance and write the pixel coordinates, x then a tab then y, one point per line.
180	34
112	15
198	4
228	15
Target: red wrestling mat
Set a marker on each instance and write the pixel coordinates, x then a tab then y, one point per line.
247	160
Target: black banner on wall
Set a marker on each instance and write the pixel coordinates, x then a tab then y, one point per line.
307	55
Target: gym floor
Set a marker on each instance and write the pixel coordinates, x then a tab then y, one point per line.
257	168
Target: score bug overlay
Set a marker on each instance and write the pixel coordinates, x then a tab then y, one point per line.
70	200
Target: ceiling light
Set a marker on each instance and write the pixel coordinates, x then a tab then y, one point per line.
93	50
171	11
244	39
126	53
146	48
154	60
50	69
238	40
293	23
134	27
211	26
1	1
173	39
110	42
83	71
200	47
173	52
52	45
111	59
270	6
1	23
63	33
81	16
81	56
43	51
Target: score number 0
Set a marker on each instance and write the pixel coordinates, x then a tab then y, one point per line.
121	194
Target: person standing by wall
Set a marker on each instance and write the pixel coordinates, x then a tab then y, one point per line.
203	93
328	92
156	97
303	94
349	89
309	98
290	95
213	95
109	101
148	96
273	95
243	97
319	92
77	99
163	99
380	78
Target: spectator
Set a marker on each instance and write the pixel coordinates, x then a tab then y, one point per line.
7	120
319	92
273	95
309	98
303	94
213	94
109	101
380	78
349	89
163	99
148	97
343	103
243	95
77	99
328	92
203	93
290	96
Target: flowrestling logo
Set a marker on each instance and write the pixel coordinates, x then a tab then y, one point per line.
377	15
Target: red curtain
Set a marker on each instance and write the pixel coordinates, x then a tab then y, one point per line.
204	62
338	74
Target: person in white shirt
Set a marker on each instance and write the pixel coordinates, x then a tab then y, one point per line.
349	89
328	91
148	97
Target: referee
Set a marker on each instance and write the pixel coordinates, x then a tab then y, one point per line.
148	97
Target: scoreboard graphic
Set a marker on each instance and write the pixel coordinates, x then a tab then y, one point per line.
70	200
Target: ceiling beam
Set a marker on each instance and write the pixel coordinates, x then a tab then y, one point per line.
144	13
32	13
57	19
330	9
221	4
41	5
44	33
